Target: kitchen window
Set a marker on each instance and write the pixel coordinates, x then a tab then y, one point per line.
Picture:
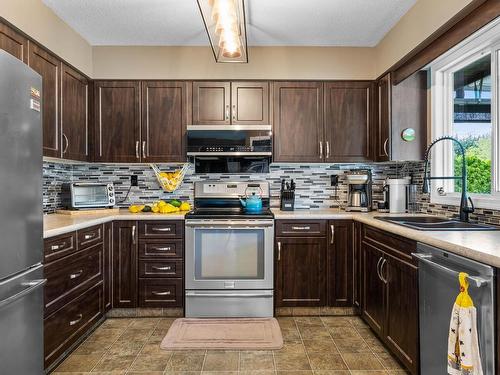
466	105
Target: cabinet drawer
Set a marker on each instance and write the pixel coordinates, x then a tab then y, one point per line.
154	268
398	246
301	228
65	326
59	246
161	249
89	236
161	229
70	275
160	293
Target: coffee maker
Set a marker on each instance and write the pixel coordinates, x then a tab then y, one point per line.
359	190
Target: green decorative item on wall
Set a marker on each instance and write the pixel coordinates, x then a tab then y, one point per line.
408	134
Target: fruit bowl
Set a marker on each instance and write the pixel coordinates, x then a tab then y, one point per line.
170	181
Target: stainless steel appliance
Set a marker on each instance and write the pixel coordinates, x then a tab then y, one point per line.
230	148
438	287
21	272
229	252
77	195
359	190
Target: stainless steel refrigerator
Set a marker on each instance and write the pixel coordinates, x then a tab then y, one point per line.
21	222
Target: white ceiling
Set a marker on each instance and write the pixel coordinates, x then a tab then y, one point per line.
269	22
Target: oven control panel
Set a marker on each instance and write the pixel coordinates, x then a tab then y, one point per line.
230	189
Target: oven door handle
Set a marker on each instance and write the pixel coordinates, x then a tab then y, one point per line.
217	224
229	295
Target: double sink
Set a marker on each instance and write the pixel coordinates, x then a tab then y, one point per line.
433	223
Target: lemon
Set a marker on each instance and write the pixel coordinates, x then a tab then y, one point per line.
185	206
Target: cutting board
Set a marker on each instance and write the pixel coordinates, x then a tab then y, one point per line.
89	212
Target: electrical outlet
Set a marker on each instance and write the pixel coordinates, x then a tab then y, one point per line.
334	180
134	180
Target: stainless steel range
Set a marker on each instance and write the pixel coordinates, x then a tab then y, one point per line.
229	252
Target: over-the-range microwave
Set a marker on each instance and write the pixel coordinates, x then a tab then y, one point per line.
82	195
230	148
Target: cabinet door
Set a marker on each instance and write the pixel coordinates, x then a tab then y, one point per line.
125	264
300	278
74	115
383	129
347	121
373	288
49	67
340	263
108	266
357	266
211	103
298	122
117	113
164	119
250	103
13	42
401	328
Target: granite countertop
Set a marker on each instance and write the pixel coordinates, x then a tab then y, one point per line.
482	246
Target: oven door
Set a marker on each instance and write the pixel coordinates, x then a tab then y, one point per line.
229	254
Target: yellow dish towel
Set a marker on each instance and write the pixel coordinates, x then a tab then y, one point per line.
463	345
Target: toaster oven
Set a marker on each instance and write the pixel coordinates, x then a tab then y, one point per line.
77	195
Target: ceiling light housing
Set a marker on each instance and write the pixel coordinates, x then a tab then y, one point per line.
226	28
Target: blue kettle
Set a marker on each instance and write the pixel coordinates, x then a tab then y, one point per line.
252	203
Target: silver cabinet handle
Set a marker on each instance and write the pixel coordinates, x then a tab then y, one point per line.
234	112
332	234
57	247
378	268
137	150
279	251
167	268
75	275
301	228
382	270
227	112
321	149
67	143
144	149
167	229
327	149
160	293
133	234
77	320
385	147
168	248
89	236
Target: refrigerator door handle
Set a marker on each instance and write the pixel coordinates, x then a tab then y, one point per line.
31	286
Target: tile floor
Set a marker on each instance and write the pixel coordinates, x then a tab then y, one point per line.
313	346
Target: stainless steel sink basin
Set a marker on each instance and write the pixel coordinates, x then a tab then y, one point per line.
434	223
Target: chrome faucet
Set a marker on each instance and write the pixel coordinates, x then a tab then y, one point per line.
465	210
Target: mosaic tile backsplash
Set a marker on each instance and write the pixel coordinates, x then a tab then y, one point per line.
313	189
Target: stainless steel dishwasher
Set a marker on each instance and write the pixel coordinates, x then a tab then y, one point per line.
438	288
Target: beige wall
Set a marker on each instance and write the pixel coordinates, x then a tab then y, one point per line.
40	23
425	17
264	63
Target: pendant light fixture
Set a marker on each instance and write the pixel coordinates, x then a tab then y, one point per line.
226	28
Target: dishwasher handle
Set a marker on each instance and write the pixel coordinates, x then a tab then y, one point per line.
426	258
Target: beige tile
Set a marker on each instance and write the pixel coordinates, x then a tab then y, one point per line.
291	361
351	345
219	373
153	348
344	333
326	361
365	333
295	372
116	323
144	323
368	372
397	372
252	361
257	372
185	362
135	334
114	363
320	346
165	322
150	363
79	363
124	348
107	332
92	347
336	321
376	345
216	361
305	311
287	323
313	332
290	335
308	320
168	372
148	312
291	348
144	373
389	362
362	361
332	372
356	321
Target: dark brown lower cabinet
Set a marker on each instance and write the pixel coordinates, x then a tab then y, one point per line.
357	290
108	266
125	240
373	288
340	263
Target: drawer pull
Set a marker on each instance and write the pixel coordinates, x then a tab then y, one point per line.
161	293
301	228
76	275
167	268
168	229
57	247
76	321
89	236
168	248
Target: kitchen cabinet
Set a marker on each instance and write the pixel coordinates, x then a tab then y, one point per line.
165	114
400	107
108	266
49	67
298	122
348	112
340	263
13	42
125	242
250	103
357	275
117	121
212	103
74	114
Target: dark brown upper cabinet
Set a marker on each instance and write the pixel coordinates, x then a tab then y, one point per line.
49	67
250	103
164	118
117	121
347	121
13	42
298	122
211	103
400	107
74	115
